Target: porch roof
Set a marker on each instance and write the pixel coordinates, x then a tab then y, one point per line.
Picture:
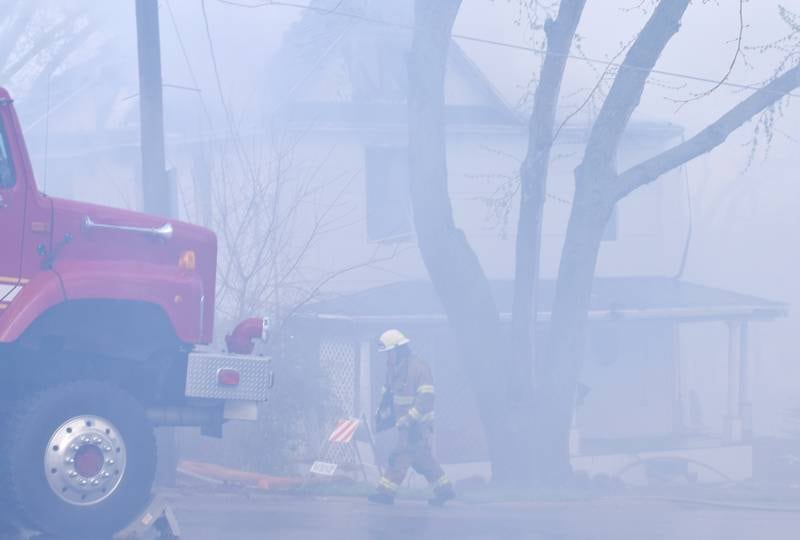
612	299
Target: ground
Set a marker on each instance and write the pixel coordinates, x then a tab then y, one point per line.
248	515
234	516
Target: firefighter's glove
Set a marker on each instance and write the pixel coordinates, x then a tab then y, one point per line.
385	416
410	419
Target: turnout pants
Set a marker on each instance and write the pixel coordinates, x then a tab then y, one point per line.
413	450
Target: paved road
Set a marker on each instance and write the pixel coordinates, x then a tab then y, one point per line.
204	515
236	517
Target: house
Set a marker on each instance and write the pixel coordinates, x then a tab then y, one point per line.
648	331
332	102
638	402
340	84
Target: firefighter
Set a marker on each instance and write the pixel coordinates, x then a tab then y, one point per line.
407	404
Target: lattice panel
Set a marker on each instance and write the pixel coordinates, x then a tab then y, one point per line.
338	358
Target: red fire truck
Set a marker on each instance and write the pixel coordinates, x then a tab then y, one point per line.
101	315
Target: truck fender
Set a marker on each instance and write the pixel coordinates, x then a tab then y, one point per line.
178	293
37	296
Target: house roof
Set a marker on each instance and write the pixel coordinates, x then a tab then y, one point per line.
350	72
612	299
343	70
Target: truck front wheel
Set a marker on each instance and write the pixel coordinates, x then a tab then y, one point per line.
80	459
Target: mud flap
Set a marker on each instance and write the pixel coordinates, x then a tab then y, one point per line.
157	522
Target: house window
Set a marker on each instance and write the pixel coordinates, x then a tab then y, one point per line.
388	197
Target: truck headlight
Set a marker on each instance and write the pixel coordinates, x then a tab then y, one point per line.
187	260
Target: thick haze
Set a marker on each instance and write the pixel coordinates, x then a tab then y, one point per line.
310	136
745	217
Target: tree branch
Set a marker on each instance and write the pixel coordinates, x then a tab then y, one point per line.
47	40
731	66
709	138
626	92
15	26
560	34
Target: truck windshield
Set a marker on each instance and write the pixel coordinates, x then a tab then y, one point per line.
7	177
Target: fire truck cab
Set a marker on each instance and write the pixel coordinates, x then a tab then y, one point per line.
102	312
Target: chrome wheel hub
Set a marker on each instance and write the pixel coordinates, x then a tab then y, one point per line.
85	460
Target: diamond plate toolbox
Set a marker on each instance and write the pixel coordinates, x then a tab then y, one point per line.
255	376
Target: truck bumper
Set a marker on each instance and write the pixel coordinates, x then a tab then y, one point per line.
240	381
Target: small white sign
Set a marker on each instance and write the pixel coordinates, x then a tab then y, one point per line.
323	468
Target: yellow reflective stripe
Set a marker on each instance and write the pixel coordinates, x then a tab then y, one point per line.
428	417
415	414
388	484
404	400
426	389
443	481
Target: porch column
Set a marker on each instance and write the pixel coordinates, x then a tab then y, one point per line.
744	383
681	384
574	437
733	421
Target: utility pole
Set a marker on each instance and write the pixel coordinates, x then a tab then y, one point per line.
155	183
156	191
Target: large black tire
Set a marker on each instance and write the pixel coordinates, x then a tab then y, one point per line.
32	495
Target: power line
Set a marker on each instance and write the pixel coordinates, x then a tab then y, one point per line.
244	162
496	43
189	64
214	64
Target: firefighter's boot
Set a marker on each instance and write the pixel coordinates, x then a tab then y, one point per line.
381	497
442	492
385	492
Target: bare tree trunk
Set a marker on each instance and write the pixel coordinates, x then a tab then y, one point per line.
557	373
558	370
454	268
456	272
533	175
598	188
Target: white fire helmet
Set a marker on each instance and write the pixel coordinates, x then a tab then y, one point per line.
392	339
